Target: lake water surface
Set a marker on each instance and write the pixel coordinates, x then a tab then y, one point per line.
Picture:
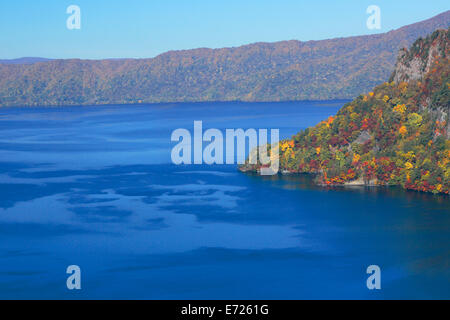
94	187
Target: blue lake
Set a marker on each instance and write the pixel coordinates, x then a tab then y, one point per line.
95	187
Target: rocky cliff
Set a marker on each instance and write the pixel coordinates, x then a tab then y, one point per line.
396	134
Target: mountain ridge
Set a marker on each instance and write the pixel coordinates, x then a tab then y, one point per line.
24	60
338	68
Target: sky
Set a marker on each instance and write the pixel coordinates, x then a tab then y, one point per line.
146	28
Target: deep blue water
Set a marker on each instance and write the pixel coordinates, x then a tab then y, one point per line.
94	187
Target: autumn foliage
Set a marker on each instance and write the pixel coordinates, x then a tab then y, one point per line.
397	134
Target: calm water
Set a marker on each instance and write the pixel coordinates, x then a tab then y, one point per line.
94	187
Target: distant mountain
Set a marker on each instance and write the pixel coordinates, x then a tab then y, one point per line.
24	60
286	70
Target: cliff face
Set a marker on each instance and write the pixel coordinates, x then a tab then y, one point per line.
286	70
415	63
397	134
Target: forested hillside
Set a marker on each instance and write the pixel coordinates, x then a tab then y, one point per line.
396	134
281	71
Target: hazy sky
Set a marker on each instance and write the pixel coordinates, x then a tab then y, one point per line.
145	28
